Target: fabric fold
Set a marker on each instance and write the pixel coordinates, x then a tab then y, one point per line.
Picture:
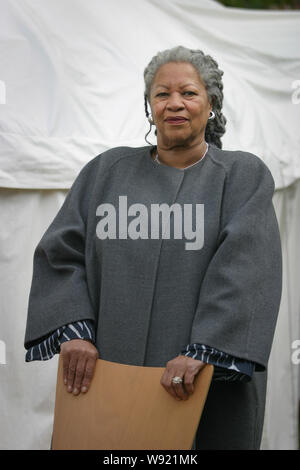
241	290
59	293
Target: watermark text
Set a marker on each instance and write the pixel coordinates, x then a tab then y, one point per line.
2	92
2	352
296	353
159	219
296	93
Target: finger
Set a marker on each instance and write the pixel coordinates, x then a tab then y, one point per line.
189	383
88	374
176	371
79	374
71	371
179	390
190	374
176	390
165	382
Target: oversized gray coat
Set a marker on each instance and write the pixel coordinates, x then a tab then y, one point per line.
207	270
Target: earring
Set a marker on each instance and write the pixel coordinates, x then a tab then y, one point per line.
150	119
211	116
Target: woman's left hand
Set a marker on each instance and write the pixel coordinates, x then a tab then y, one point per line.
186	368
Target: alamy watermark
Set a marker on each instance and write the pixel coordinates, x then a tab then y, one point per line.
138	228
296	353
2	352
296	93
2	92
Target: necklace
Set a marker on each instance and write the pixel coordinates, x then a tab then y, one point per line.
158	161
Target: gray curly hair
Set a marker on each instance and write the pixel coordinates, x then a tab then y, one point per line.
210	74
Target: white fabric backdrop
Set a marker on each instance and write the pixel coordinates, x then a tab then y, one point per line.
71	85
73	72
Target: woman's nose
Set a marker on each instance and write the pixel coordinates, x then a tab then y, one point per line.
175	101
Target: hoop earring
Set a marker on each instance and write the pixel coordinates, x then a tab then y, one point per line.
212	116
150	119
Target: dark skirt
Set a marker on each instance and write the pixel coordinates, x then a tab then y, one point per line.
233	415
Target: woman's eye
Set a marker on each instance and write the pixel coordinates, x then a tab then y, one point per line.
189	93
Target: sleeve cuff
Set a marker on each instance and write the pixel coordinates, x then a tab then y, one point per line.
78	330
50	346
227	367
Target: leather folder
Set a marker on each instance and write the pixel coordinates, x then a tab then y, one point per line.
126	407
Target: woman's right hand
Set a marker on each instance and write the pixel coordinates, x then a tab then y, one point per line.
79	361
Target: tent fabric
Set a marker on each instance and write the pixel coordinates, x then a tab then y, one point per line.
73	73
71	86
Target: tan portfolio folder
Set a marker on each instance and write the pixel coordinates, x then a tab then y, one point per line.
126	407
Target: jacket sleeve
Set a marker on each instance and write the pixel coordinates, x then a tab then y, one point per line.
226	368
50	346
240	294
59	293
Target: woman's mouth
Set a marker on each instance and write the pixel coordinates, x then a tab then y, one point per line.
176	120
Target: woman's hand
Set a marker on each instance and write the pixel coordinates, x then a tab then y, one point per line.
186	368
79	360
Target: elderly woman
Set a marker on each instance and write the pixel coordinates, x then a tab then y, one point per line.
168	255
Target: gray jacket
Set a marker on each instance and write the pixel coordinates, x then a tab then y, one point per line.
161	257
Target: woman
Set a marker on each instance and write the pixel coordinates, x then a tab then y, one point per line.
117	266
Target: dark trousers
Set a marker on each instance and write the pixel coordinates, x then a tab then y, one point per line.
233	415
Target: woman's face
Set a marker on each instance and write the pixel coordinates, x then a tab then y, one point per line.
177	91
